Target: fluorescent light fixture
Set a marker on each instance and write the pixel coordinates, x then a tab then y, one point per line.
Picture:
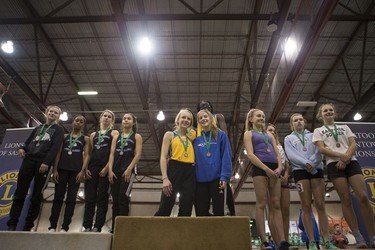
7	47
307	103
64	116
87	92
357	117
160	116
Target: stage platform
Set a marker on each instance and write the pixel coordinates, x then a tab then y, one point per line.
143	233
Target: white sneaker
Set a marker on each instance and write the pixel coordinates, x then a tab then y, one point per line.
62	231
86	230
52	230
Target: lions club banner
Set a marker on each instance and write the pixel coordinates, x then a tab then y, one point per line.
10	163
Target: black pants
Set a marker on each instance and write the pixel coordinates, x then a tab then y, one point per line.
121	201
29	170
205	191
182	177
66	178
96	194
230	200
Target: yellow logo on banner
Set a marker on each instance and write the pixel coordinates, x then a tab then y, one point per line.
369	176
8	182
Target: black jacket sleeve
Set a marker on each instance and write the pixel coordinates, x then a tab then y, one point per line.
56	142
29	139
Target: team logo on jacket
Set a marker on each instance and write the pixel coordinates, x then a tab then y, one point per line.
8	183
369	176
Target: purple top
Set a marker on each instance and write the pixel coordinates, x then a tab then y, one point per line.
260	147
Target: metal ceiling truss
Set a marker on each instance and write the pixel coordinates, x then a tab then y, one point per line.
127	46
325	11
357	31
173	17
30	11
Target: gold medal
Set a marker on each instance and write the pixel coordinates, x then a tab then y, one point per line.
97	146
208	154
121	152
186	155
268	150
70	152
338	145
304	148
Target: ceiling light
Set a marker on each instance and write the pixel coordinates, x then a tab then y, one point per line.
307	103
87	92
145	46
290	46
357	117
64	116
7	47
272	23
160	116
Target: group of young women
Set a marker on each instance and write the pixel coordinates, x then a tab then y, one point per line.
196	164
198	168
304	154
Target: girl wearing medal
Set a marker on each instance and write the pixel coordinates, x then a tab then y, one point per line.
71	160
126	151
97	184
307	167
213	162
338	144
38	154
263	153
177	166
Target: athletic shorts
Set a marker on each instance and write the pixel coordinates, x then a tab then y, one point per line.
301	174
351	169
260	172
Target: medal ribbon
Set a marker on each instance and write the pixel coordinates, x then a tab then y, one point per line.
124	142
43	132
71	141
184	143
207	143
101	136
264	137
302	140
334	133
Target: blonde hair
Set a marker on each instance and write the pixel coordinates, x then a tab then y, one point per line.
319	114
248	123
53	106
177	126
113	118
214	128
291	120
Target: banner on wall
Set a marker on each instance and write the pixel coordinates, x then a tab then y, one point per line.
10	163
